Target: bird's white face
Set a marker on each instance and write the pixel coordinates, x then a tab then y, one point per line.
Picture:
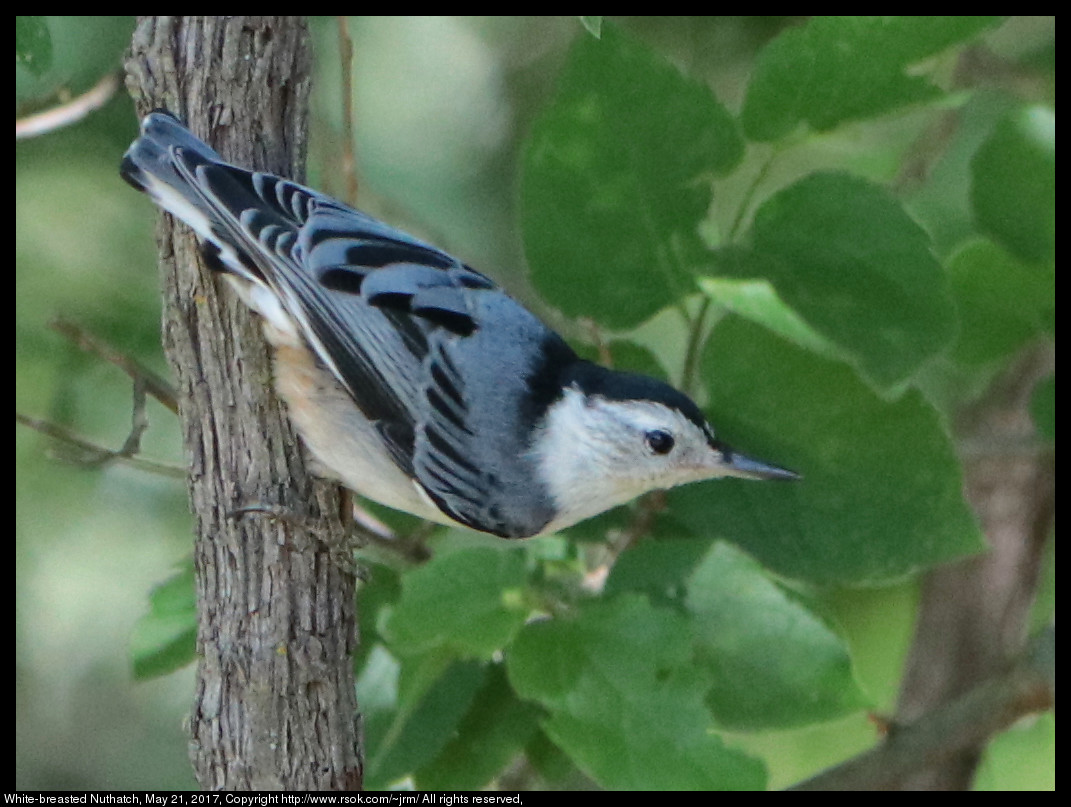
596	453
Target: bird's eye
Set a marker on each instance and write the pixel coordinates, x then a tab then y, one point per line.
659	442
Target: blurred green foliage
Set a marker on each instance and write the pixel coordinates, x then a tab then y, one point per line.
734	203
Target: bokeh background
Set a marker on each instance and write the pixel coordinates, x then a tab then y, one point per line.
441	105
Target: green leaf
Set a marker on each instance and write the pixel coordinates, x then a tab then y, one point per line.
554	765
1013	183
881	493
1002	302
634	358
843	254
33	44
617	178
837	69
411	713
494	731
377	592
625	703
469	600
775	663
658	568
165	639
757	300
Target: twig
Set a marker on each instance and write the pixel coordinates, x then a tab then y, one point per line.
603	557
139	421
696	339
68	113
749	195
95	455
154	385
145	382
595	333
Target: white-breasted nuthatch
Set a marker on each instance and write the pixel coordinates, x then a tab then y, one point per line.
413	379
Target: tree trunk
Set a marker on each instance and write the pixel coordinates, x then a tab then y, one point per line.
275	706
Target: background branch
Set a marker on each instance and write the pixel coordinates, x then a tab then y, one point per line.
954	728
69	112
156	386
973	616
87	453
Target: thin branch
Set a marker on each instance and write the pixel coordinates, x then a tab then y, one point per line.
601	346
68	113
402	551
139	421
745	203
602	557
155	385
696	339
93	454
81	451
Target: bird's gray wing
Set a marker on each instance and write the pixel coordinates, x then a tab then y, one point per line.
486	396
489	372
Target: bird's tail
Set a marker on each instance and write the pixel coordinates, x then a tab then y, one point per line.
152	164
223	204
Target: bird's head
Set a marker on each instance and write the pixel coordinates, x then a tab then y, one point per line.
614	436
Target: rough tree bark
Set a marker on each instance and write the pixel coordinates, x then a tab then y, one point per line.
275	706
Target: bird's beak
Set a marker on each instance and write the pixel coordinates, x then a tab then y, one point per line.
733	463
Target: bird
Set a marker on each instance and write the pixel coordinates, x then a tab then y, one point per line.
415	380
